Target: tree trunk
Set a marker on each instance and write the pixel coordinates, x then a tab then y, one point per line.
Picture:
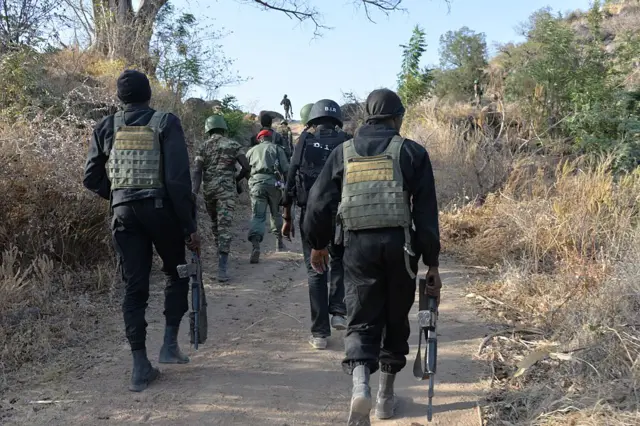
125	34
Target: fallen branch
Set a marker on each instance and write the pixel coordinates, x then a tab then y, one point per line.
257	322
507	331
289	315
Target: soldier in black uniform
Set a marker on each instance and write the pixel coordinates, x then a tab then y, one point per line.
309	156
138	160
385	187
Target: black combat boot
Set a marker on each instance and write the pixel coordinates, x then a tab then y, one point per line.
143	372
360	398
170	353
386	403
280	245
255	252
222	267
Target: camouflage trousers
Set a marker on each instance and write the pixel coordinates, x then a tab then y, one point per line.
221	209
263	198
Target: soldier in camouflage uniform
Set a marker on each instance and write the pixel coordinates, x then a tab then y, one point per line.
287	134
304	115
215	166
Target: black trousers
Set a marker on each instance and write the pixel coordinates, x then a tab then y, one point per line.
379	295
323	300
137	227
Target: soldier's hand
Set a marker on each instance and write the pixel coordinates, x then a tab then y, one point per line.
286	229
434	283
193	243
320	260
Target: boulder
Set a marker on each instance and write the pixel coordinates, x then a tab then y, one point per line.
195	104
273	114
202	106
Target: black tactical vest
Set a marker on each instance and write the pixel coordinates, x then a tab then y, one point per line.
316	150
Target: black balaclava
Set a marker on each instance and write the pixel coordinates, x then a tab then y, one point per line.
133	87
383	104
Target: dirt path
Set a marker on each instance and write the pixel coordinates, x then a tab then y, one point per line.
257	365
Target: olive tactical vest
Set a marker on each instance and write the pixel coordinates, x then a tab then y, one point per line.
372	193
135	160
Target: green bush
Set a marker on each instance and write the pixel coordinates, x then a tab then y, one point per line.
20	74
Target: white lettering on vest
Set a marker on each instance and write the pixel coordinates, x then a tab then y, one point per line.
317	145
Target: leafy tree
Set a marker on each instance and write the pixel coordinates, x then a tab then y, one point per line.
574	87
122	31
23	22
463	57
414	83
187	55
234	116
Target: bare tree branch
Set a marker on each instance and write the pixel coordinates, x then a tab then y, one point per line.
303	11
294	9
384	5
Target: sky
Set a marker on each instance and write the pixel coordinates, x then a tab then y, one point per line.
279	55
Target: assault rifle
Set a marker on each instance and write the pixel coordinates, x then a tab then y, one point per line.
198	316
427	320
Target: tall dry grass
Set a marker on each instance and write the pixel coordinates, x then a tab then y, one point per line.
561	235
565	242
468	161
56	262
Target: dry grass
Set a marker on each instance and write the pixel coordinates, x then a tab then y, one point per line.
468	162
561	235
54	241
565	242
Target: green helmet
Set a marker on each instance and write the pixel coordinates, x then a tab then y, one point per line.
304	113
215	122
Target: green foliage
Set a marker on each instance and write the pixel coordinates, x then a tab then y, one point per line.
463	58
573	85
20	74
234	117
23	22
414	83
187	54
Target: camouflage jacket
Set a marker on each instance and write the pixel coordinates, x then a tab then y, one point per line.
286	133
219	155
